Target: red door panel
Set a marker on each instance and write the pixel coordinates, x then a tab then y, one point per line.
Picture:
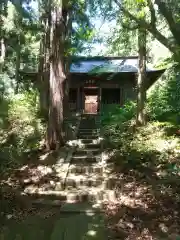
91	104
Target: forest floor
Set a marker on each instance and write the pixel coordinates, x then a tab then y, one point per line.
51	224
37	224
19	219
45	172
144	167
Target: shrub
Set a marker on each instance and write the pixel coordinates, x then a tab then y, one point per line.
164	97
21	130
24	122
118	114
163	102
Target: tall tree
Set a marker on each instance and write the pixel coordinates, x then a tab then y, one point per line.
3	14
64	41
141	86
168	10
158	10
55	136
44	53
141	90
19	36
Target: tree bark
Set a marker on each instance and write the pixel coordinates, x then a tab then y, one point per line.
168	15
3	54
18	46
18	60
42	83
55	135
44	66
66	90
141	89
3	13
67	16
66	98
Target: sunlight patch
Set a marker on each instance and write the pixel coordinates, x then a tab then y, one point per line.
73	142
91	233
43	157
44	169
132	202
163	227
90	213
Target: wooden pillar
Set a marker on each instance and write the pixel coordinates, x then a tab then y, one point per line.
78	99
82	100
99	101
120	97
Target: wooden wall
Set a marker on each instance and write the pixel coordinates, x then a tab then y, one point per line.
125	86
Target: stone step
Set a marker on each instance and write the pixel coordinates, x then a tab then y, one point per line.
89	141
75	182
87	136
87	151
88	129
93	195
84	160
88	133
87	125
86	156
88	208
80	183
85	122
83	181
91	145
85	168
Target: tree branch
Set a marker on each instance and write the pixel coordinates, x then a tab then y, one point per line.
153	13
168	15
129	27
152	29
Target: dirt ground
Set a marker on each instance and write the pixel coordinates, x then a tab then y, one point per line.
146	207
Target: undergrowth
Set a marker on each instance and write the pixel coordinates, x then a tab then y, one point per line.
21	130
144	164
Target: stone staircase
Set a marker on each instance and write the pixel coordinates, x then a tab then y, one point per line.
85	180
85	174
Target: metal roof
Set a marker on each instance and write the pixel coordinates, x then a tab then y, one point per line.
106	65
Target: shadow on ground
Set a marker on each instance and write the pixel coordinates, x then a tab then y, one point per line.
147	186
22	220
36	224
42	170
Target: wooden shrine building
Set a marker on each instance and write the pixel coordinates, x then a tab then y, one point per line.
99	81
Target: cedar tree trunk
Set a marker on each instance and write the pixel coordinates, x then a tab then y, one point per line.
141	90
55	135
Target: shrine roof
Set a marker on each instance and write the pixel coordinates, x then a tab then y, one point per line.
97	65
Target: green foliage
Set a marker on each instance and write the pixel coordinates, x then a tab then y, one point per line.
118	114
21	38
115	119
164	97
153	148
122	42
163	102
21	130
158	141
